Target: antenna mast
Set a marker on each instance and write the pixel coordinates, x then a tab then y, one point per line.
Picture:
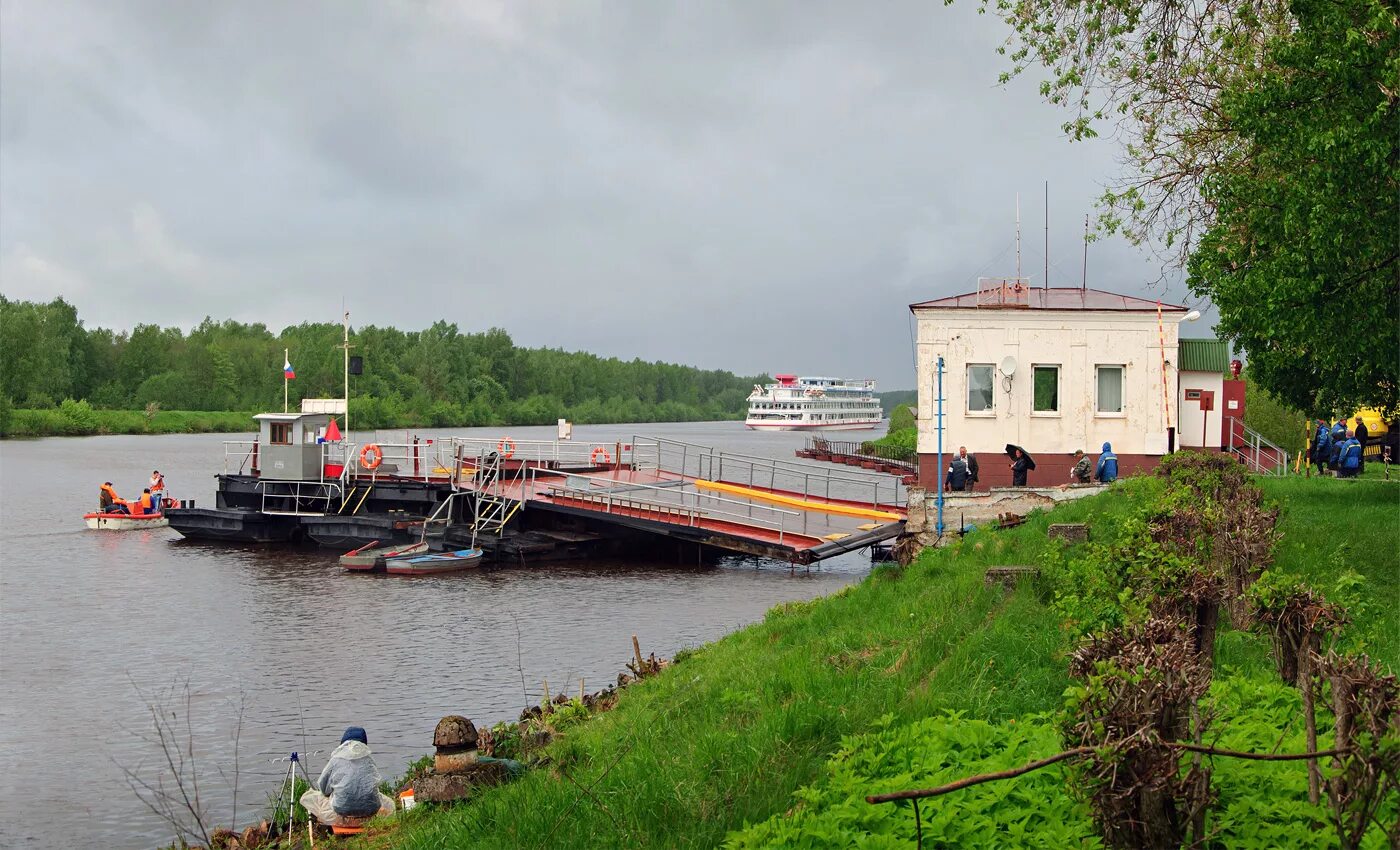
1084	279
1018	236
1046	283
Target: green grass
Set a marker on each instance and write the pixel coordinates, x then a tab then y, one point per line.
725	738
57	422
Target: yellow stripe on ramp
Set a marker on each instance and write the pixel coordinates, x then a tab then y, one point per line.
800	504
837	536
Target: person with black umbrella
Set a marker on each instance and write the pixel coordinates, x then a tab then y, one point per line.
1021	463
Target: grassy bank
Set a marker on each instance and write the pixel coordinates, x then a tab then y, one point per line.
76	420
772	735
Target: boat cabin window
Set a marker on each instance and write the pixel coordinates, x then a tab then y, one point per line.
281	433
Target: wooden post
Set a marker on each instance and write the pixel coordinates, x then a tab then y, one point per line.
546	692
580	691
637	654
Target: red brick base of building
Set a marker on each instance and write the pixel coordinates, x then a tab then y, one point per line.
994	470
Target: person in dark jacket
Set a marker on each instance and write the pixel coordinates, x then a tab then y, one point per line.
1106	472
1019	465
958	475
1339	436
1322	445
971	461
348	787
1362	433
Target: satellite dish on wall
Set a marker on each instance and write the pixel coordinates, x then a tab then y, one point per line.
1008	366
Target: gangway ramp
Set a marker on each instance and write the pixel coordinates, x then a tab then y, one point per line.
761	506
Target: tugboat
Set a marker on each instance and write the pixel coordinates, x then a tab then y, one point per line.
299	480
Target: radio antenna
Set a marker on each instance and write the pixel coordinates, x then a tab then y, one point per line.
1084	278
1046	284
1018	236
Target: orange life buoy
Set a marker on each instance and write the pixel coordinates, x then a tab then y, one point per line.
599	450
506	447
371	456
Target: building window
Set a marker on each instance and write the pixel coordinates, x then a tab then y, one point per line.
1110	389
1046	389
281	433
980	397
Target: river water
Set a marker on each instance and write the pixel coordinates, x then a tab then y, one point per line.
97	627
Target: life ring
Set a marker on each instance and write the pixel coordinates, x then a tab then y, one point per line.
371	456
599	450
506	447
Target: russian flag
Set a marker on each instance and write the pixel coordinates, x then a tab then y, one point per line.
287	369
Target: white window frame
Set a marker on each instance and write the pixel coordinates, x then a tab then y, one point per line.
1122	391
1059	371
989	413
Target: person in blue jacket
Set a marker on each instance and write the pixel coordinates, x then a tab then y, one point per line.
1339	436
1349	463
1322	445
1107	470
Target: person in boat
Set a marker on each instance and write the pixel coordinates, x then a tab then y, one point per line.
1083	470
349	785
1106	472
157	487
146	505
108	502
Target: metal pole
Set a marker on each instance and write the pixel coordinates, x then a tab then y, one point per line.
346	346
939	527
286	358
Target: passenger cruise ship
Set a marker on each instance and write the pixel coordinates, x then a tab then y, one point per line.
831	404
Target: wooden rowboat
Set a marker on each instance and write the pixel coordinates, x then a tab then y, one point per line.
125	522
371	556
440	562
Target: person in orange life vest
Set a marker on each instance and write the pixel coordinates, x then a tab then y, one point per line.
157	487
108	502
146	505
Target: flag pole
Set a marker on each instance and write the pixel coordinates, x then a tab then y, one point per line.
346	345
286	358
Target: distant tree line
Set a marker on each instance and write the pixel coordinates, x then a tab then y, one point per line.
439	376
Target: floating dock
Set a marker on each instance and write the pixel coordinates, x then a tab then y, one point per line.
537	500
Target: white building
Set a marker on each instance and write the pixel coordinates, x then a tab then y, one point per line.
1055	370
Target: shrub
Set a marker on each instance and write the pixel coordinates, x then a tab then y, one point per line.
78	417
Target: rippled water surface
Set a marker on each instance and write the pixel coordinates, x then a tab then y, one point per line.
95	625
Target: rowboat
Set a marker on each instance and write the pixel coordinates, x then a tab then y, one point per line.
371	557
439	562
124	522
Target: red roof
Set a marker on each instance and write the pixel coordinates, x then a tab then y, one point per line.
1055	298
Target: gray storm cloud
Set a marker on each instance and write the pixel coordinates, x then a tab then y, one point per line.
749	186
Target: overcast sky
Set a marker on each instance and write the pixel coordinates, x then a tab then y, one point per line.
751	186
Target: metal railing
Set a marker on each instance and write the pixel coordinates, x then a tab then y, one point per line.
867	450
550	452
1258	453
242	452
806	480
686	507
300	498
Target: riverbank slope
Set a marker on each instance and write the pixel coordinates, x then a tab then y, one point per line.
772	735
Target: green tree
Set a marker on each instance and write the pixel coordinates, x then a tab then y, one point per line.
1303	257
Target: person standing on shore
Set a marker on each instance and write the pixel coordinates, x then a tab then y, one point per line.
1107	470
971	461
1322	445
1019	465
1082	471
1362	433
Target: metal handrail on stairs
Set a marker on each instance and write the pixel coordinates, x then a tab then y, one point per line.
1257	452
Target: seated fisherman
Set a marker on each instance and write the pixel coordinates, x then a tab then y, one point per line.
349	786
1083	470
108	502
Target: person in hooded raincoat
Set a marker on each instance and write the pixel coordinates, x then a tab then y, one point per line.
349	784
1107	470
1339	437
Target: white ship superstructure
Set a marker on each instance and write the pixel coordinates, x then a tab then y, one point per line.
817	404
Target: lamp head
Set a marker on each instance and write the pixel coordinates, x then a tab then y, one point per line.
1191	316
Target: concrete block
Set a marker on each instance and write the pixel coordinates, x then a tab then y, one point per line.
1009	577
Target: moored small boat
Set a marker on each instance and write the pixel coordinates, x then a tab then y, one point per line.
125	522
438	562
372	556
